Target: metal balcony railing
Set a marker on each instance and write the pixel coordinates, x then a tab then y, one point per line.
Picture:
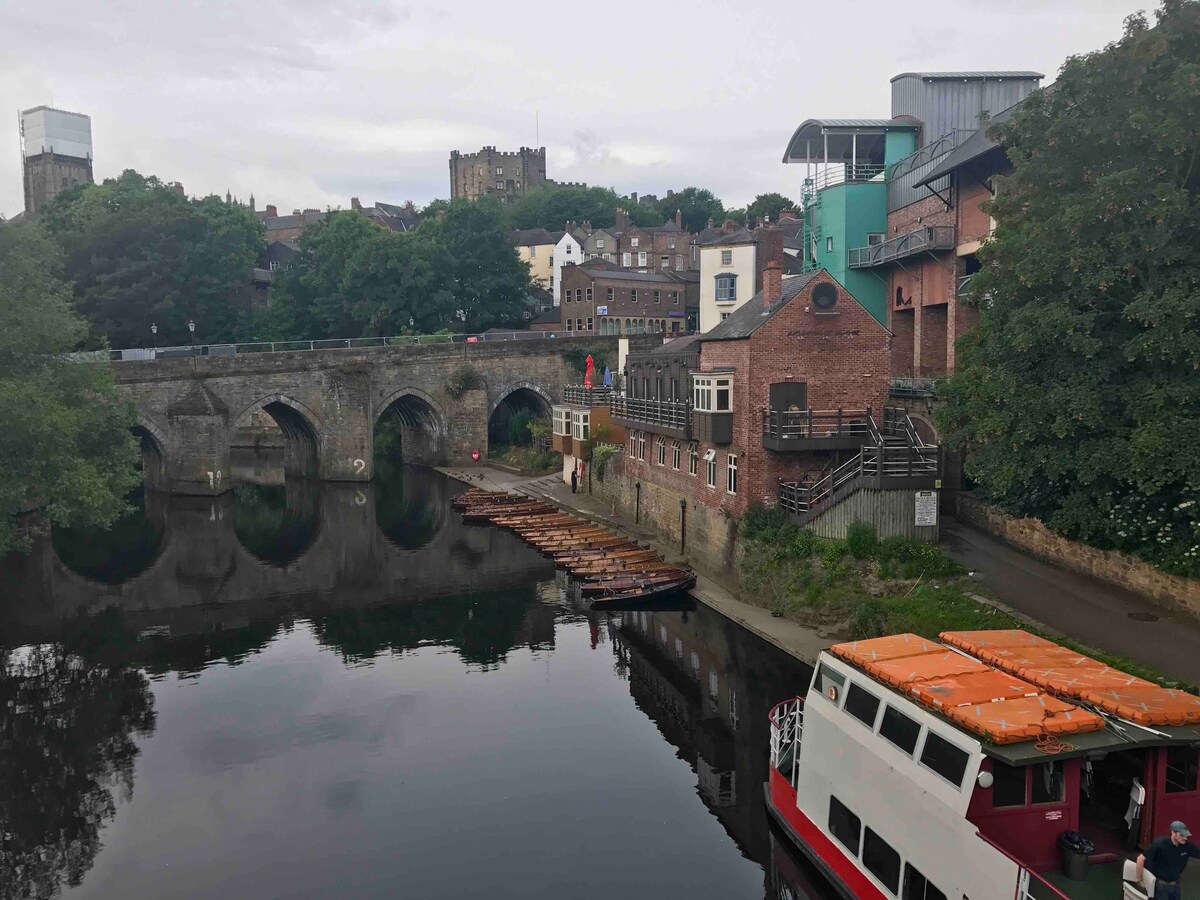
927	237
580	395
833	175
674	414
810	423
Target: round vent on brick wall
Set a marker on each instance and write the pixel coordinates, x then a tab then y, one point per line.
824	296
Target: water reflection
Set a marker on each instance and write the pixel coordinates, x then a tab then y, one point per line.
69	713
118	554
277	523
410	506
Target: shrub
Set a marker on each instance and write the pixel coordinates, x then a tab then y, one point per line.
861	540
601	456
461	380
760	523
518	428
915	559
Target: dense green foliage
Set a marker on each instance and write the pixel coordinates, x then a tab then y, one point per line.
1078	392
66	448
139	253
552	207
352	278
697	206
518	428
769	205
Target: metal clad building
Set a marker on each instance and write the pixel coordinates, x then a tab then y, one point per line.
945	101
56	150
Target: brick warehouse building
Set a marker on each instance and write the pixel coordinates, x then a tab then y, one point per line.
601	300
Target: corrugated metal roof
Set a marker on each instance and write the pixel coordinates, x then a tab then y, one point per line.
860	123
971	149
968	75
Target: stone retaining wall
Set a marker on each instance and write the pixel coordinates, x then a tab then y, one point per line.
1110	565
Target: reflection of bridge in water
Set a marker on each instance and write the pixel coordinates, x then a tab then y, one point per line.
303	547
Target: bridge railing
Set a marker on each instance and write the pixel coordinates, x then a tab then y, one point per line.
237	349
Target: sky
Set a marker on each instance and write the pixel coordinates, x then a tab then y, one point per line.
307	103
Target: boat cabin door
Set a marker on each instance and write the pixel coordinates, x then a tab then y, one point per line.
1113	799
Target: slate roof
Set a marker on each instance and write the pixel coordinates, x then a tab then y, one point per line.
529	237
681	345
687	275
668	225
551	316
626	275
741	236
750	316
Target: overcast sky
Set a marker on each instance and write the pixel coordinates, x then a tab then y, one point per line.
310	102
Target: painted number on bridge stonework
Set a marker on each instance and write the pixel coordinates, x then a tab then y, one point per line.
214	479
360	466
360	499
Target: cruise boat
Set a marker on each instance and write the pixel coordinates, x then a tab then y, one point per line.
939	770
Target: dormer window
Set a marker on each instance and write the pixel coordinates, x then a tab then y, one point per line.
712	393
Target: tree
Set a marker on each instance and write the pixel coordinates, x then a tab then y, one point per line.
1078	390
552	207
141	254
66	448
698	205
768	205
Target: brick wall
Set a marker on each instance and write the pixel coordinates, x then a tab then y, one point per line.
1118	568
930	355
903	327
973	223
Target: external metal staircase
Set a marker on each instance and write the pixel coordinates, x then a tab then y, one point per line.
893	457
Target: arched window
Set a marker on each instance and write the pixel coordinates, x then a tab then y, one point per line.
726	288
675	455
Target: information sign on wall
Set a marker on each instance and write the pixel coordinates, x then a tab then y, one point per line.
926	508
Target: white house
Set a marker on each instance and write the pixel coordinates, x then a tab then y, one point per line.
567	250
727	273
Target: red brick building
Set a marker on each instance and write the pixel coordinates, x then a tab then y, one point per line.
598	299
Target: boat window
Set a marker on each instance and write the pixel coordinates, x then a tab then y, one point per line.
829	684
900	729
945	758
1008	785
844	825
1182	766
862	704
881	860
1048	782
917	886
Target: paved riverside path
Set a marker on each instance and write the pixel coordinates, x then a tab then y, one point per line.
1094	612
1091	611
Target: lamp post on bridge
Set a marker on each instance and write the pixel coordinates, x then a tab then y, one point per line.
154	338
192	334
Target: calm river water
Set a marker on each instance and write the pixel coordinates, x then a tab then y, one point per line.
307	690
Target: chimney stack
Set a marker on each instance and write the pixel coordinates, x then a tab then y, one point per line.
621	220
272	211
356	204
787	215
679	217
772	284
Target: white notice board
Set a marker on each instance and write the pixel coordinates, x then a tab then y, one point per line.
926	508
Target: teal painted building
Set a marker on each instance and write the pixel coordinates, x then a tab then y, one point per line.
845	194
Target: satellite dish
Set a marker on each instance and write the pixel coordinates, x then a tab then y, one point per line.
824	295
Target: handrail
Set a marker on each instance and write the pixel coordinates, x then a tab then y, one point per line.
663	413
581	395
362	343
925	237
931	151
811	423
1025	875
844	173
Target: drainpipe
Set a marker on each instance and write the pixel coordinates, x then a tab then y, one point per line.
682	525
637	507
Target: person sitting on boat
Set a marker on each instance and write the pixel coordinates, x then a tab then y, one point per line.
1166	858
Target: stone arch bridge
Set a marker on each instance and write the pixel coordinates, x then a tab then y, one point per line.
328	402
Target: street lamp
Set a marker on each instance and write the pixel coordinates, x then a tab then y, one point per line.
154	332
192	332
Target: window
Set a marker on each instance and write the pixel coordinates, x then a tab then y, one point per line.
726	288
578	295
875	238
829	684
1047	780
1182	766
658	296
568	249
725	316
945	758
626	260
499	171
610	295
670	243
642	258
881	860
607	257
731	474
633	242
1008	785
678	262
664	262
642	446
844	825
695	664
562	421
599	243
660	451
733	715
633	295
533	252
632	444
862	704
712	394
587	295
917	886
675	455
579	324
678	648
711	472
589	323
580	425
900	729
499	185
674	298
693	458
568	321
727	257
714	686
828	245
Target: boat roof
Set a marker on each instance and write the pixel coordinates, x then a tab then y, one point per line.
1012	689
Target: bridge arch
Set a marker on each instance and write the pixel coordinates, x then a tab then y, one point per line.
301	427
421	424
153	451
510	400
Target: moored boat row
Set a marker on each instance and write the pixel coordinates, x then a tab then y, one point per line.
612	570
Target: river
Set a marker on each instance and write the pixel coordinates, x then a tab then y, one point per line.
318	690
